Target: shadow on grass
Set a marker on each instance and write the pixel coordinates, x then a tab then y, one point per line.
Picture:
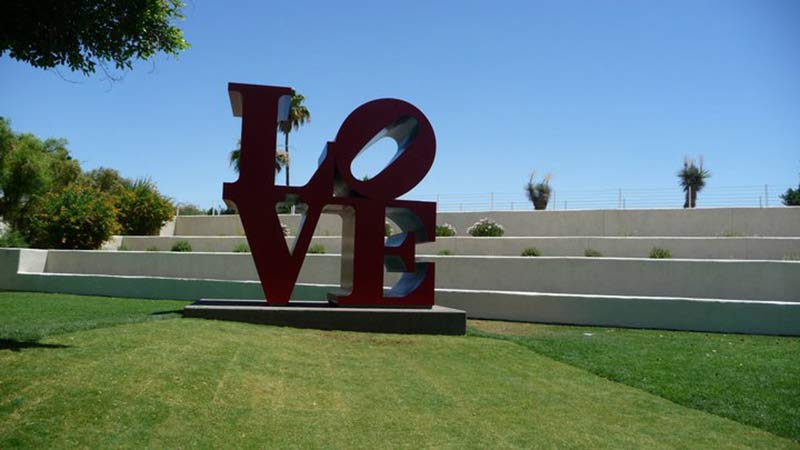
176	312
17	346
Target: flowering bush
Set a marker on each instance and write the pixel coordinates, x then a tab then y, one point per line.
142	210
486	227
445	230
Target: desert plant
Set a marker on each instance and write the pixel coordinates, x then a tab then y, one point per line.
142	210
445	252
317	249
78	217
791	197
445	230
592	253
531	251
241	247
486	228
660	253
539	193
181	246
152	248
692	180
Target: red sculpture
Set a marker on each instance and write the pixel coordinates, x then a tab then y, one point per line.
363	205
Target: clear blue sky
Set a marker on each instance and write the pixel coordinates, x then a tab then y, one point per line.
602	94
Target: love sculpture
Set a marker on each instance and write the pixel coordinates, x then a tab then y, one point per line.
364	205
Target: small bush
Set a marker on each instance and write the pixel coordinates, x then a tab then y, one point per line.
592	253
241	248
531	251
445	252
486	228
791	197
152	248
792	257
181	246
387	229
660	253
285	229
12	239
445	230
317	249
142	210
78	217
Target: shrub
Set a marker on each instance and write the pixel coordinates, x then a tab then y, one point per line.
791	197
445	252
142	210
317	248
78	217
445	230
285	229
12	239
181	246
660	253
188	209
539	193
792	257
387	229
242	247
531	251
592	253
152	248
486	227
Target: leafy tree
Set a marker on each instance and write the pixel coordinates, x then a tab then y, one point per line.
108	180
791	197
693	180
86	33
29	168
298	116
78	217
188	209
142	210
281	158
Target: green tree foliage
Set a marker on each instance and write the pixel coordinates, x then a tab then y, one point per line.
791	197
142	210
108	180
78	217
281	158
85	34
693	180
29	168
298	116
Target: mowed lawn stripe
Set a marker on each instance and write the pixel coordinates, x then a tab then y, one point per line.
187	383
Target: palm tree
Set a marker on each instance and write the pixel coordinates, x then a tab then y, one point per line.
280	158
693	180
298	116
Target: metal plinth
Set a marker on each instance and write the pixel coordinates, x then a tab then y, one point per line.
324	316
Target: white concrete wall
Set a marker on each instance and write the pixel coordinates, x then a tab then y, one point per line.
632	247
739	280
21	270
781	221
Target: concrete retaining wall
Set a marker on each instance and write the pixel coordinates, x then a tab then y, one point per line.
632	247
781	221
750	280
22	270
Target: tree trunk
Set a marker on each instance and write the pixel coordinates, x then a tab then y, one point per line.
286	149
686	200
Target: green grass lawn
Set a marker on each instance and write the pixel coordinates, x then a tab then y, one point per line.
750	379
188	383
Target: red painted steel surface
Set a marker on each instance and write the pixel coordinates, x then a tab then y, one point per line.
363	205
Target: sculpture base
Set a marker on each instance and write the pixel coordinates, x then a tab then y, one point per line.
324	316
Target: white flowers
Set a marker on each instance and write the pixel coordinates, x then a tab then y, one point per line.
486	227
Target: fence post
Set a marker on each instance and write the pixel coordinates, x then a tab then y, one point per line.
766	196
491	201
619	199
555	204
565	204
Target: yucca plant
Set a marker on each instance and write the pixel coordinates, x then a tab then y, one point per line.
539	193
693	180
